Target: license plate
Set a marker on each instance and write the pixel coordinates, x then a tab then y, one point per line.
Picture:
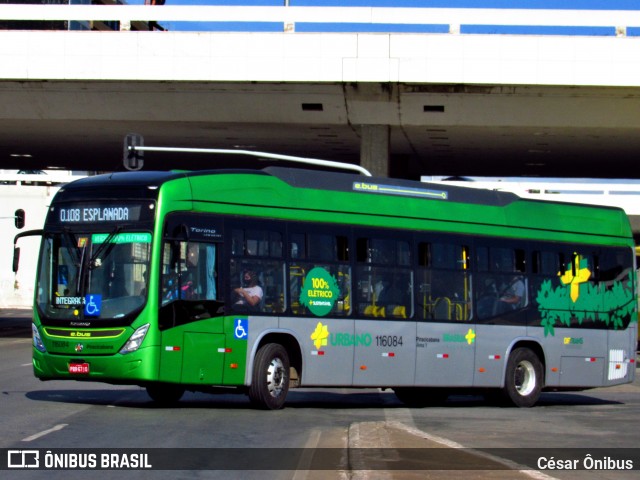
76	368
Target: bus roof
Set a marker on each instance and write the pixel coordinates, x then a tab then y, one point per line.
281	192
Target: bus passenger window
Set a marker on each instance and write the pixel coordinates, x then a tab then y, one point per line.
611	265
385	281
501	286
249	296
298	249
257	271
444	284
328	255
189	271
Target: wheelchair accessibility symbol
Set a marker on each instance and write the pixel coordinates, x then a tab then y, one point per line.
92	305
241	331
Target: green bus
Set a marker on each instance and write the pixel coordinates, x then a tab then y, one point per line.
258	281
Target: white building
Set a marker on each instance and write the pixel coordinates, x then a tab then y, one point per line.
32	193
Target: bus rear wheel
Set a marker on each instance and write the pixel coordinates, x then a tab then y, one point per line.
523	381
165	393
270	378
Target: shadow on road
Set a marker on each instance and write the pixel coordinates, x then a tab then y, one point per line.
15	322
136	397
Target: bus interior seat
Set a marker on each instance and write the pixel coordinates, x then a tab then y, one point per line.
442	308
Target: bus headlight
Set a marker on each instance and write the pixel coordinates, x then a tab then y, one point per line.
37	341
135	340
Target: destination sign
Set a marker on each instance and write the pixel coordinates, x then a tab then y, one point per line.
106	214
122	238
101	213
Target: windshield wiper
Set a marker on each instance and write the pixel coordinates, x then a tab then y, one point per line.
92	261
73	245
106	247
76	252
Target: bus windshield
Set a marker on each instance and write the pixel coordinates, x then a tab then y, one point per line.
93	275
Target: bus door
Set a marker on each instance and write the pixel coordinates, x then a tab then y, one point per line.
384	337
327	348
190	319
384	353
320	293
445	332
501	299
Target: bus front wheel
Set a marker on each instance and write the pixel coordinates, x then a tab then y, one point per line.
523	381
270	378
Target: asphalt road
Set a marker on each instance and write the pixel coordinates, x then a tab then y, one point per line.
367	434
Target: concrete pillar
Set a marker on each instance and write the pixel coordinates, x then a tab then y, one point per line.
374	149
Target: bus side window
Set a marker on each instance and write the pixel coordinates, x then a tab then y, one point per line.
325	251
443	275
189	271
611	265
502	284
169	280
297	252
385	279
257	271
200	274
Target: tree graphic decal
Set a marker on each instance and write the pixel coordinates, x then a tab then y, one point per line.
578	299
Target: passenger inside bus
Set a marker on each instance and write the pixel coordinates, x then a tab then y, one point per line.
249	295
392	296
501	295
513	295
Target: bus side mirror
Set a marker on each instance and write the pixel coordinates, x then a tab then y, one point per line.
19	218
16	259
16	250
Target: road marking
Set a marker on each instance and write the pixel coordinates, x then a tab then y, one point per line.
302	469
393	420
363	435
45	432
21	341
30	364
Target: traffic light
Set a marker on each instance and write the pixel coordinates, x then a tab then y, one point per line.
19	218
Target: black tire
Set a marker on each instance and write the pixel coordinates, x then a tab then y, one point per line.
523	380
419	397
165	394
270	378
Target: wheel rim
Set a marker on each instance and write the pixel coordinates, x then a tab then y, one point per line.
275	377
525	378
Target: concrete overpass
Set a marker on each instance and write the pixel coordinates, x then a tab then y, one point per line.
401	104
